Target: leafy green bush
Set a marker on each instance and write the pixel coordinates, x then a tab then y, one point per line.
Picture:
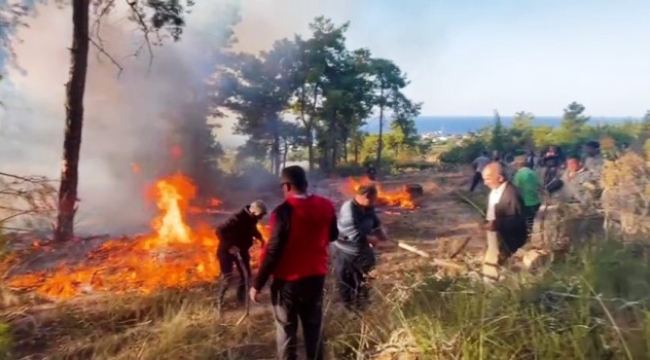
465	153
350	169
592	304
5	341
419	165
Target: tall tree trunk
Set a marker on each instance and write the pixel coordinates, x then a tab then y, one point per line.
333	140
310	147
356	151
380	142
75	89
284	155
275	151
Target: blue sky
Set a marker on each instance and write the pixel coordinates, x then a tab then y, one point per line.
467	57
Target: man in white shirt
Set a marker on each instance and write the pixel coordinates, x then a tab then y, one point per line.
506	229
479	164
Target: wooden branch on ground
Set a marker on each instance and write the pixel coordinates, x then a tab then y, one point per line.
436	262
412	249
461	247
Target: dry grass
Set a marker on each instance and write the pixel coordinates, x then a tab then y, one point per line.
593	303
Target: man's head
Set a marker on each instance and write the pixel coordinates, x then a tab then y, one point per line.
493	175
366	195
484	153
294	180
591	148
520	162
257	209
573	164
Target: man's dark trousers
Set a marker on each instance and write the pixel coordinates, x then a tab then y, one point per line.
226	260
352	278
476	179
293	301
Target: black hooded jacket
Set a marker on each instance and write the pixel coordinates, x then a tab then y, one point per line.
239	230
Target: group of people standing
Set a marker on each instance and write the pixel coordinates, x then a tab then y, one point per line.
515	199
307	240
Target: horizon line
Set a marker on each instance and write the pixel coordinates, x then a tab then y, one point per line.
510	116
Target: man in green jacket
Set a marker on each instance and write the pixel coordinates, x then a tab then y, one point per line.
529	185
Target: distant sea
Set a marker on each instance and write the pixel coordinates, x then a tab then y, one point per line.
463	124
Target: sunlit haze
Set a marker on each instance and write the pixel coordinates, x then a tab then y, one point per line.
464	58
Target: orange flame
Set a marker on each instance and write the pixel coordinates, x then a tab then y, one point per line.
397	197
174	255
135	168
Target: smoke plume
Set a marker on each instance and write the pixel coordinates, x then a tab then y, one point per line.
129	114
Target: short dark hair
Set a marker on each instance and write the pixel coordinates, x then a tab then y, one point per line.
369	189
593	144
296	176
484	152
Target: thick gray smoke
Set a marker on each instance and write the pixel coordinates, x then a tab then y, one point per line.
128	119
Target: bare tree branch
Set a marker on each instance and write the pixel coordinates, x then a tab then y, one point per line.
146	30
101	50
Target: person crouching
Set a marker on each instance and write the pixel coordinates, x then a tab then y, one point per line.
353	254
235	240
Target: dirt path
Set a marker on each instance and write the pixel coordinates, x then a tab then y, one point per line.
439	226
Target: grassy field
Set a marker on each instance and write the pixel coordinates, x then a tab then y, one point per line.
593	303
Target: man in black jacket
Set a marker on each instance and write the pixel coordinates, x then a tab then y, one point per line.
236	238
506	229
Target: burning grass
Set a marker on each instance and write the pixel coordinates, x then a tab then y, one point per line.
176	254
591	305
387	197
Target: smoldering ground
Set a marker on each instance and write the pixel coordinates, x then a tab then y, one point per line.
130	113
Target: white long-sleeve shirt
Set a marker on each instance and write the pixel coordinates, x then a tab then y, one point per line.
493	200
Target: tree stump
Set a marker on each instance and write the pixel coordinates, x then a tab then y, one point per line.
415	190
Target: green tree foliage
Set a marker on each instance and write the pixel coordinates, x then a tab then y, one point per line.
388	81
521	130
573	122
573	132
644	128
257	88
314	92
499	136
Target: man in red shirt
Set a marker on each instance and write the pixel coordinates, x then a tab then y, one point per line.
296	257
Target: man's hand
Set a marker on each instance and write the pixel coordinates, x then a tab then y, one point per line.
373	240
489	226
233	250
254	295
262	243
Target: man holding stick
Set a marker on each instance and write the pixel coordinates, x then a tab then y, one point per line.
235	240
296	256
353	254
506	229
